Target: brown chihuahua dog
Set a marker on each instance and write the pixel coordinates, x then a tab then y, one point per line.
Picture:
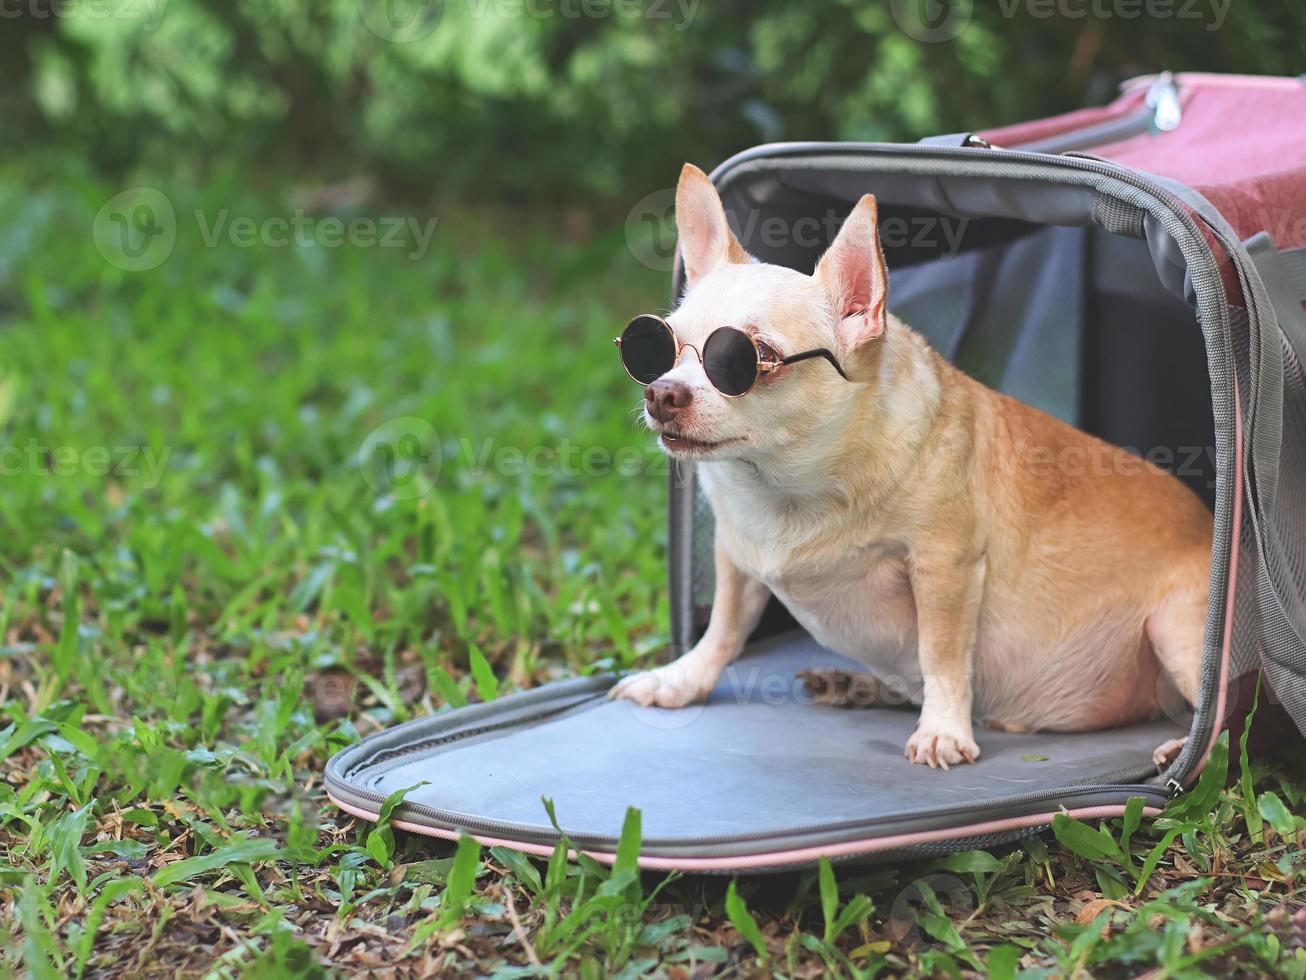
993	560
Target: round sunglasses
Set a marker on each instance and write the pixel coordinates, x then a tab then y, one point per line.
731	358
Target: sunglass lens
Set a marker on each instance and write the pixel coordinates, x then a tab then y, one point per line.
730	361
648	349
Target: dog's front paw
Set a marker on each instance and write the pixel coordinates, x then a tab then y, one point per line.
937	746
673	686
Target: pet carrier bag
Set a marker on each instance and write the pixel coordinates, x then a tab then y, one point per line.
1137	270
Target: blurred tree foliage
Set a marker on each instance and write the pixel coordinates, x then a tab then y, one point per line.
569	98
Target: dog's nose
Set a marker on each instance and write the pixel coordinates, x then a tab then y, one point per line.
667	399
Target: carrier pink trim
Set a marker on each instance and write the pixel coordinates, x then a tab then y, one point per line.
771	859
1234	545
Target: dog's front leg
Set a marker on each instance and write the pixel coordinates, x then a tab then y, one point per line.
736	607
948	589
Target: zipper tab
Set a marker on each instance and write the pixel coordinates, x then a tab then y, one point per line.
1163	99
1173	787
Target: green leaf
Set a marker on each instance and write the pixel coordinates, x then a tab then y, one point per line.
1086	842
130	850
447	687
745	924
82	741
15	738
1002	963
1250	808
1200	802
112	891
66	845
380	841
521	866
1155	855
380	850
487	685
244	851
627	858
462	879
857	911
40	950
432	872
65	652
1276	814
1133	817
974	862
310	586
829	896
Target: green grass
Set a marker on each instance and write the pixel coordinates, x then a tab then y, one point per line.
212	576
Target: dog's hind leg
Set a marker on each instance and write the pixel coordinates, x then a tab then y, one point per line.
1176	629
838	688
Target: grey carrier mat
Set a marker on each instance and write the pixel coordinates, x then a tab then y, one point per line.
760	776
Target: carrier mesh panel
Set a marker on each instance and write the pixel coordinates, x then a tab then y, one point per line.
1246	655
1282	588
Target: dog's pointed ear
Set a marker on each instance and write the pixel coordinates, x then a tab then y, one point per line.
856	278
705	238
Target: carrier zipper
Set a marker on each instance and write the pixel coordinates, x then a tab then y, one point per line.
532	834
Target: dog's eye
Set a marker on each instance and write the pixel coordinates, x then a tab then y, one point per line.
767	352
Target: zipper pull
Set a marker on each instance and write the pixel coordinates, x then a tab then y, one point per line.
1163	99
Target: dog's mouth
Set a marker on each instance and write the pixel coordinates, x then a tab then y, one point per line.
678	443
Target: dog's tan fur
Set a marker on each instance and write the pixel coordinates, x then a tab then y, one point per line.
989	558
